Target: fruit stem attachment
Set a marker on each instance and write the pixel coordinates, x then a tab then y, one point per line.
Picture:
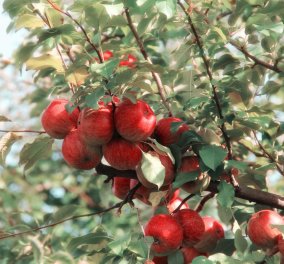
155	75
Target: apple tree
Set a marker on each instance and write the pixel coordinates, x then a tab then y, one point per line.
154	133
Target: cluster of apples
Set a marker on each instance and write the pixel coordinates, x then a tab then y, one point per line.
184	230
126	61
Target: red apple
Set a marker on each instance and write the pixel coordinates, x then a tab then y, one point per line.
191	164
260	229
96	127
79	155
174	204
169	171
192	224
160	260
129	61
213	233
56	121
120	187
122	154
142	193
107	55
134	122
166	231
190	253
163	131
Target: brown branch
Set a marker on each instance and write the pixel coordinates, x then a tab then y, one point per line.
272	67
243	192
184	201
203	201
268	155
66	13
155	75
214	89
23	131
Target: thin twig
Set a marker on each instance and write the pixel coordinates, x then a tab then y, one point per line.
184	201
23	131
273	67
214	89
66	13
267	154
155	75
203	201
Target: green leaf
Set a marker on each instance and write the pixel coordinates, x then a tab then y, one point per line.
93	98
212	156
226	194
98	236
38	250
152	169
175	257
161	149
224	259
63	213
119	245
240	242
40	148
139	247
182	178
6	143
45	61
29	21
202	260
167	7
66	29
105	69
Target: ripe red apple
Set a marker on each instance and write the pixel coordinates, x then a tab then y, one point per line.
107	55
169	171
192	224
122	154
190	253
160	260
191	164
129	61
166	231
56	121
163	132
96	127
213	233
260	229
134	122
79	155
142	193
120	187
174	204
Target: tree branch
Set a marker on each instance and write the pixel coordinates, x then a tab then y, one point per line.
204	200
268	155
243	192
272	67
155	75
66	13
184	201
214	89
23	131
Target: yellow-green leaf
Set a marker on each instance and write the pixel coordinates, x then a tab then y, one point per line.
45	61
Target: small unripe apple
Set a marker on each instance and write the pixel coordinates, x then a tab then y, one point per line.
174	204
96	127
122	154
120	187
260	229
134	122
190	253
79	155
169	171
163	131
192	224
191	164
56	121
166	231
213	233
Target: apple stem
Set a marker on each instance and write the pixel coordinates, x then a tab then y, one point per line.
203	201
184	201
